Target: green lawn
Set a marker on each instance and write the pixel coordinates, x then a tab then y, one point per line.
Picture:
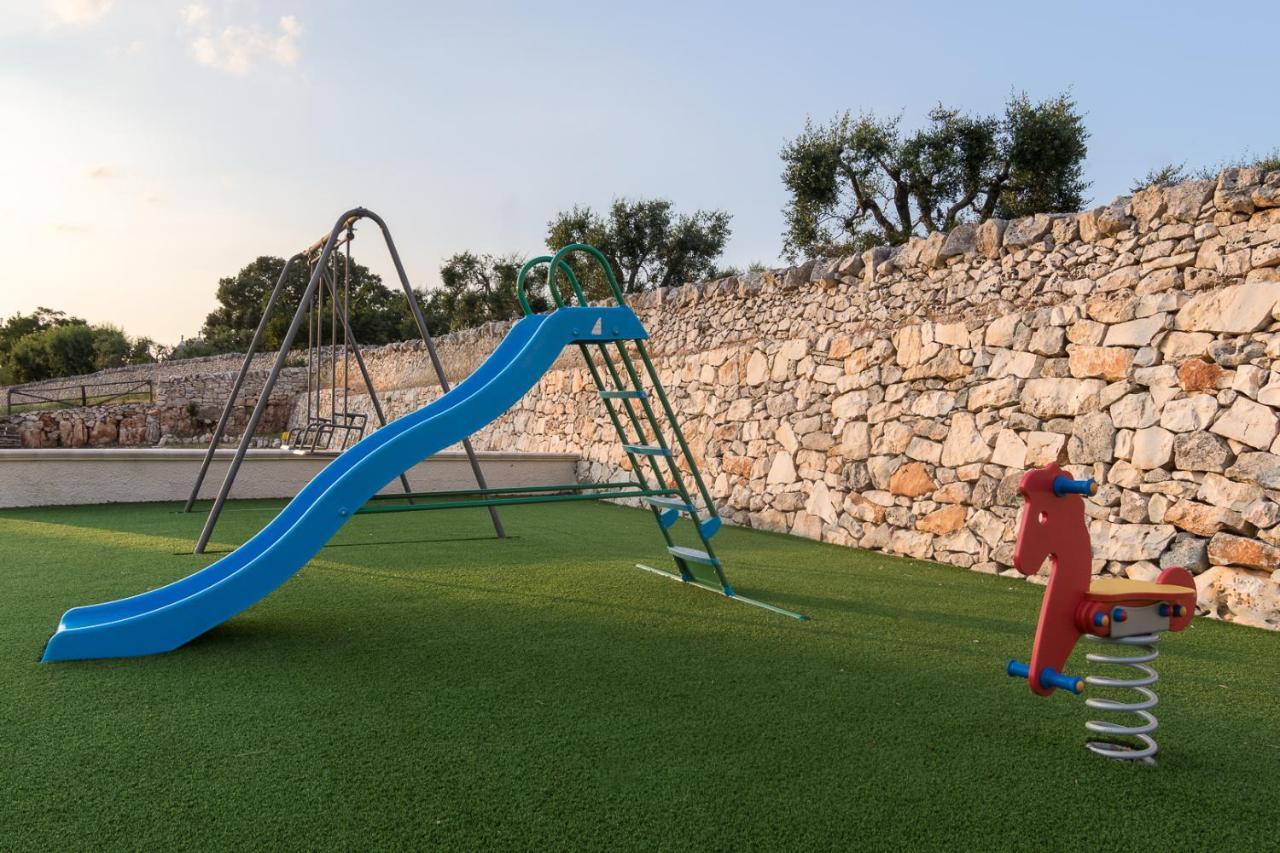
421	685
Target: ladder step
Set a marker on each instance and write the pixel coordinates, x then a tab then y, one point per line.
646	450
671	503
693	555
624	395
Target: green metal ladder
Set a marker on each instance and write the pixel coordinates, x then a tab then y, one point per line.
630	406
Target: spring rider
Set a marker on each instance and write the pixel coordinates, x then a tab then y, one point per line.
1125	613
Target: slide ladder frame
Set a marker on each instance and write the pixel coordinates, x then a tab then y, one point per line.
628	402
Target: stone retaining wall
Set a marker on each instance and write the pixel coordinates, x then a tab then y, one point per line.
892	400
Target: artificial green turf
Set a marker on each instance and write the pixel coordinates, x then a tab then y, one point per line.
421	685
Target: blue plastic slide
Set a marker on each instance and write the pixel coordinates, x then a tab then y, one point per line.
162	619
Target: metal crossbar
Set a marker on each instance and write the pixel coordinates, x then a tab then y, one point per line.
512	501
507	490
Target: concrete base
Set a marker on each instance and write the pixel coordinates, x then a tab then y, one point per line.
49	477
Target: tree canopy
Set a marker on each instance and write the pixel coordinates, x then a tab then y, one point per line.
859	182
648	243
48	344
378	314
478	288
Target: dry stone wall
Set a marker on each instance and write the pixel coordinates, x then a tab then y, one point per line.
893	399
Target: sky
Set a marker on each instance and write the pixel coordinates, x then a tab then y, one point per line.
151	147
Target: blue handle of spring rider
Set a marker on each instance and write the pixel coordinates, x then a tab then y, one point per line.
1050	677
1063	485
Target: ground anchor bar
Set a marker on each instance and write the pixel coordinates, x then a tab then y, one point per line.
782	611
503	490
532	499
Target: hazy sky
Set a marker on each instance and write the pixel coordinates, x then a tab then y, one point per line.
150	147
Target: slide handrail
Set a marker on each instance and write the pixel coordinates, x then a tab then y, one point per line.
555	264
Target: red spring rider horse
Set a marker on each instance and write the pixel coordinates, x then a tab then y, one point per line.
1116	610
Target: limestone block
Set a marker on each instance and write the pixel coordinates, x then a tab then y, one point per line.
1217	490
1260	468
1026	230
1006	362
1201	451
912	480
990	237
1187	551
946	520
933	404
782	470
1197	375
1010	450
1000	331
1234	193
1189	413
1181	345
1249	423
1152	448
1239	595
1092	439
1136	333
1236	309
1202	519
911	544
1267	195
1110	363
1129	542
1184	201
1044	447
1047	398
1134	411
962	240
964	444
993	394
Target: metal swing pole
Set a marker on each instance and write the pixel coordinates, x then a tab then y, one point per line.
333	350
304	307
346	338
311	332
421	323
239	382
364	373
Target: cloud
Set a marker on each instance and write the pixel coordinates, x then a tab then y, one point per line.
238	49
79	11
193	14
102	173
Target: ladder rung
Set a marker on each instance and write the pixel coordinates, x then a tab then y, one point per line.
671	503
693	555
624	395
646	450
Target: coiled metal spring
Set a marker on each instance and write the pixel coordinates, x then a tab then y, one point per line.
1119	743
